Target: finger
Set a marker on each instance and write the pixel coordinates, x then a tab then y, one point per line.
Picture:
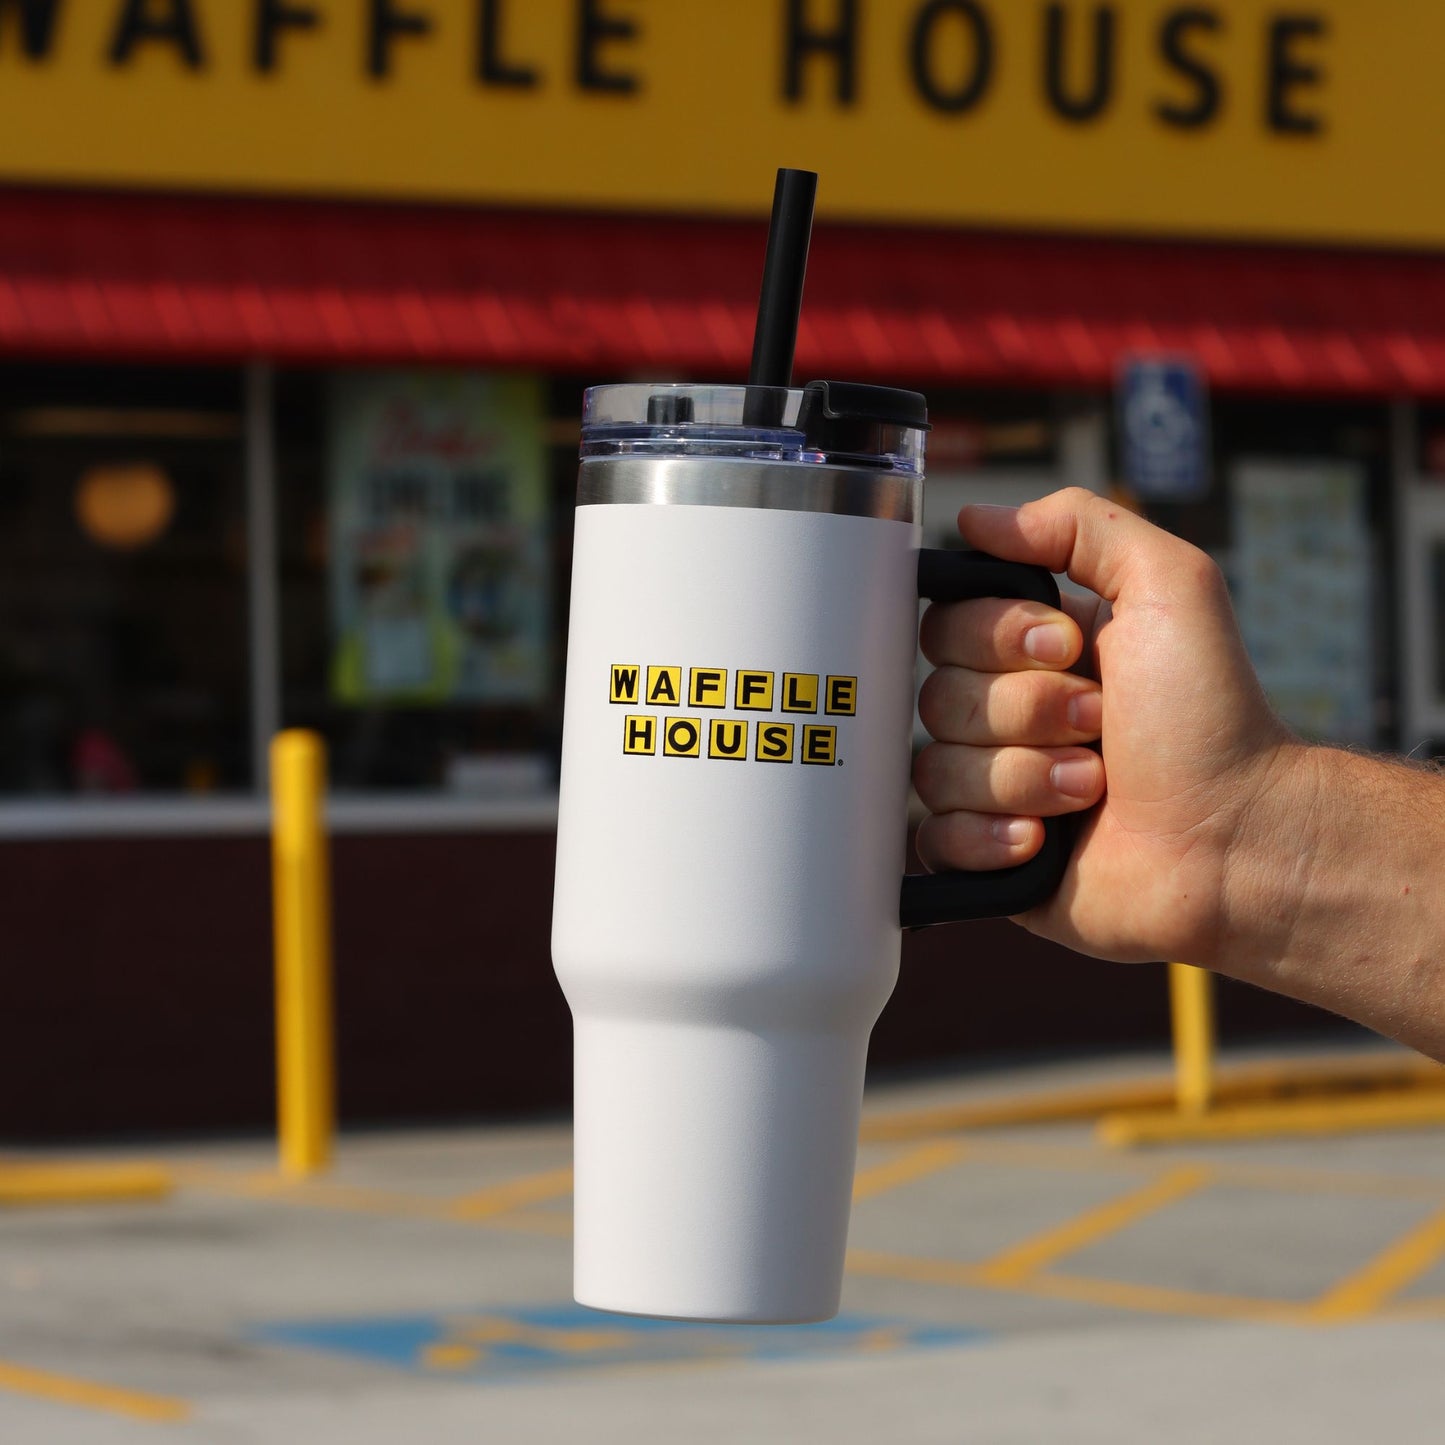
1036	709
977	841
994	635
1097	542
1035	782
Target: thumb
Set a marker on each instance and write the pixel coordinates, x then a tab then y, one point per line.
1098	543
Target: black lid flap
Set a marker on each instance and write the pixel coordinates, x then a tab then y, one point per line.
828	401
856	420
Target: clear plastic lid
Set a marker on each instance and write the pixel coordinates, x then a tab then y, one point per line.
836	423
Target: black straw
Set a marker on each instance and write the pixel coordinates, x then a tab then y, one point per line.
781	298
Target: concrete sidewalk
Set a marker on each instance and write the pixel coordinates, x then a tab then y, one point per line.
1022	1285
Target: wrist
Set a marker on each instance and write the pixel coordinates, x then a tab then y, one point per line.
1331	895
1281	840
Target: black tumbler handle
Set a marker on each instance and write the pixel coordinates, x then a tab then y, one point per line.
929	898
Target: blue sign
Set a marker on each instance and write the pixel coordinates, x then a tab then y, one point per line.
1164	429
496	1345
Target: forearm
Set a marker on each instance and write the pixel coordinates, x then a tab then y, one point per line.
1334	896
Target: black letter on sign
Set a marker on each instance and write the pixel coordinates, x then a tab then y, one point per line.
593	28
1205	105
492	69
273	16
386	23
728	738
37	25
970	88
1092	104
178	27
841	42
1283	72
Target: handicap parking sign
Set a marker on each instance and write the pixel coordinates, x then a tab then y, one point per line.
1164	428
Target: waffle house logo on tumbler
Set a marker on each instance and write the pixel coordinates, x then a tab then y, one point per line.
775	707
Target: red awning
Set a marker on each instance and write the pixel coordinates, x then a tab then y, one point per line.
185	278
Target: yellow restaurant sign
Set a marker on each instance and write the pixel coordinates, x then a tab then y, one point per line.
1301	119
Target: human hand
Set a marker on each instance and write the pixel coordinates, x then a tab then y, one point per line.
1154	668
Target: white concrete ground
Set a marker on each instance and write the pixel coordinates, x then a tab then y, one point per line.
1021	1286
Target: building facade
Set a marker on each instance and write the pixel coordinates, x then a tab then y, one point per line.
297	304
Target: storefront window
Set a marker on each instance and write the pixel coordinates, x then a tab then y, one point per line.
1298	516
420	575
1302	584
123	655
987	446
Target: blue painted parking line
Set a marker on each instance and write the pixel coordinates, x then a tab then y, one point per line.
507	1343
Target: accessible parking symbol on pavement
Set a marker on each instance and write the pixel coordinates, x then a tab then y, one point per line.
501	1344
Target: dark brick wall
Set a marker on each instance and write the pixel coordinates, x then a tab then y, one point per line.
137	986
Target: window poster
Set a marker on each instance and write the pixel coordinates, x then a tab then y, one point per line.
1301	579
437	515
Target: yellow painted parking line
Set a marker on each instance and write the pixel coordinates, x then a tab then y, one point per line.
361	1200
486	1207
514	1194
1036	1107
1338	1073
467	1341
1287	1180
906	1168
91	1395
314	1194
1276	1178
1364	1291
555	1222
1075	1158
1430	1308
1396	1109
882	1340
23	1183
1115	1294
1158	1299
1029	1257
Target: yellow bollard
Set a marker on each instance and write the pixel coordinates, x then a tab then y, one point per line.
1191	1011
305	1051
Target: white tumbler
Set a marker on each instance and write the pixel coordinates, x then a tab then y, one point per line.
732	827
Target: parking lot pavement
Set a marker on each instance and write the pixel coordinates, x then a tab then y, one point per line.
1019	1285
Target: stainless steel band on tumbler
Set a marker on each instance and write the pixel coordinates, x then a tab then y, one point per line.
739	482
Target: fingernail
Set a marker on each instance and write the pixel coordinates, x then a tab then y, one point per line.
1086	712
1012	831
994	507
1077	777
1049	643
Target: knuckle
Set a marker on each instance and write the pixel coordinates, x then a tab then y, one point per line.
1003	626
1201	571
1022	708
948	706
1038	705
949	840
1021	777
1064	501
